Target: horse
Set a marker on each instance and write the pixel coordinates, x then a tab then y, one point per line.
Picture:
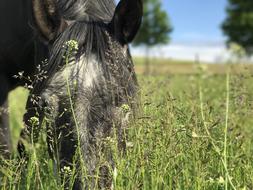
90	83
21	51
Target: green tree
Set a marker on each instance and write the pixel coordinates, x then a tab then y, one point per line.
238	26
155	28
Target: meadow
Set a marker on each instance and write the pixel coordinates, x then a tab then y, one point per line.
194	131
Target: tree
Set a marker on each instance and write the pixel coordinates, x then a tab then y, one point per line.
238	26
238	54
155	27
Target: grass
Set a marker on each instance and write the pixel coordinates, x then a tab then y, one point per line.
160	61
195	131
170	66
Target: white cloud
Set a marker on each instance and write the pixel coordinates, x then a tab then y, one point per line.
207	53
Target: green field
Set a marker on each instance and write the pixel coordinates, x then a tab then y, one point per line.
194	132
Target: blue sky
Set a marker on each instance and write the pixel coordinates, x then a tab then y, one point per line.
197	31
196	21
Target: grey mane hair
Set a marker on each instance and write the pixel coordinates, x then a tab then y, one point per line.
88	26
94	38
90	37
80	10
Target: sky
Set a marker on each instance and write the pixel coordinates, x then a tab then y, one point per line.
196	30
196	20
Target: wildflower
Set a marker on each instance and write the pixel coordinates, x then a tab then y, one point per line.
34	121
70	48
110	140
221	180
194	135
125	107
71	45
66	170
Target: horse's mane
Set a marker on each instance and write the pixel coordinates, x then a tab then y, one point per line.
88	27
83	10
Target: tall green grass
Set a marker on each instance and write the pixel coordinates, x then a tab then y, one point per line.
193	132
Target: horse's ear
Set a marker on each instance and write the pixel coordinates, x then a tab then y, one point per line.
47	20
127	20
